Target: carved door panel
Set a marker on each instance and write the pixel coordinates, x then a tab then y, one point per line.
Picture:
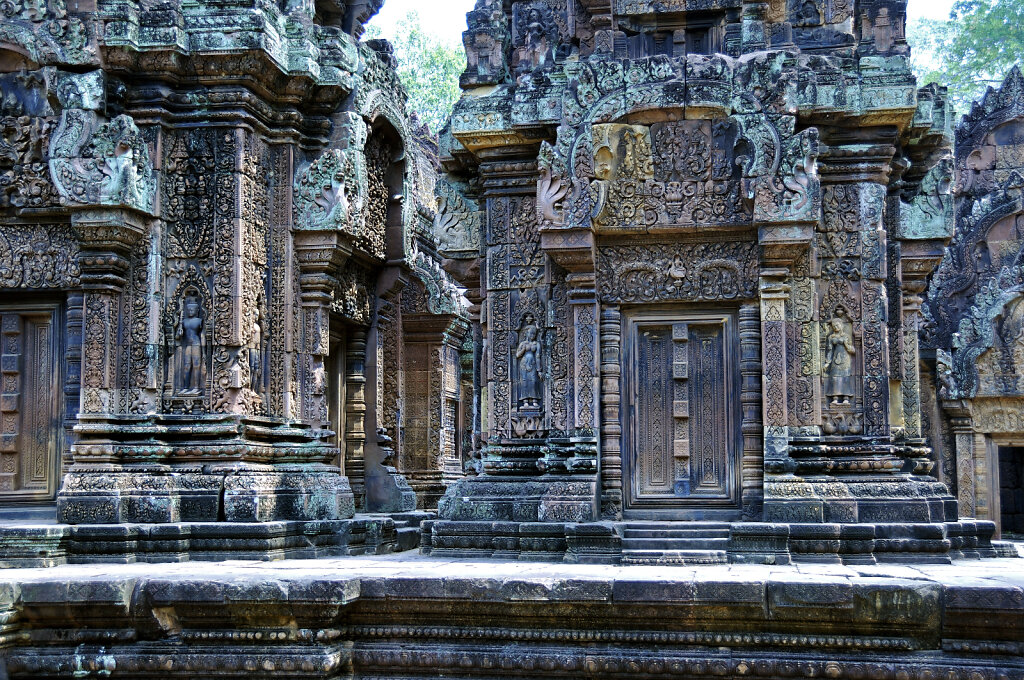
682	415
29	391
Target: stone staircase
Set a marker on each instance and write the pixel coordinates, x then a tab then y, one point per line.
674	542
407	528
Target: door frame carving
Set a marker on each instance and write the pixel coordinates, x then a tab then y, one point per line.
686	509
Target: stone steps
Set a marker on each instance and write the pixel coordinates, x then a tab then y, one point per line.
676	533
407	529
675	542
692	543
681	557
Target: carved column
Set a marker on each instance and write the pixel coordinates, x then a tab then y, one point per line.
320	256
72	373
386	490
911	383
750	397
355	413
962	426
579	454
585	316
774	293
107	238
611	416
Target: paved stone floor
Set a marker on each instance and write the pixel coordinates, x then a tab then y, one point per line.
411	565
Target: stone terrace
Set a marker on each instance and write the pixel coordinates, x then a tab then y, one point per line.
408	615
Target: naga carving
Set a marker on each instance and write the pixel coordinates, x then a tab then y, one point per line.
93	163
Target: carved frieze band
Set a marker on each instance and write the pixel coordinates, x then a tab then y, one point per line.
38	256
677	272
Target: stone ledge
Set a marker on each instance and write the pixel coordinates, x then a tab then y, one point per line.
748	543
48	545
412	616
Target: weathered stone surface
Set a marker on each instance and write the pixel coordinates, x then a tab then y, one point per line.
416	617
697	235
227	215
694	237
972	346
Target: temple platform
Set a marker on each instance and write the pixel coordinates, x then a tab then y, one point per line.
412	616
47	543
688	543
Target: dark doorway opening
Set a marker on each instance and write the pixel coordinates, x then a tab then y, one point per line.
1011	491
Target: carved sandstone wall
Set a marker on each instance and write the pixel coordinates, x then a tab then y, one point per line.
220	211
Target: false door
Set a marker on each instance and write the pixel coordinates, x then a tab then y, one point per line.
682	416
29	395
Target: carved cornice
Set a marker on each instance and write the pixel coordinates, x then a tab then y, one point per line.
301	60
852	162
106	237
509	177
321	256
571	248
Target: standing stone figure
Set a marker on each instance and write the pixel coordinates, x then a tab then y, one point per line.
256	354
537	47
528	363
191	348
839	362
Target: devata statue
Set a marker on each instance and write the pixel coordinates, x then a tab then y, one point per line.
528	363
191	348
839	354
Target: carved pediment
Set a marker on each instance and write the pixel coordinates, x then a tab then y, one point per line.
694	173
327	193
458	224
95	163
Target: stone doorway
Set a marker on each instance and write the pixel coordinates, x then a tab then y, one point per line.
682	418
1011	491
30	427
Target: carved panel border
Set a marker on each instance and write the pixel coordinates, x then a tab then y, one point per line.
668	272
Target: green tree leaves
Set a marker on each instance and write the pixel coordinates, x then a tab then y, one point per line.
975	48
429	69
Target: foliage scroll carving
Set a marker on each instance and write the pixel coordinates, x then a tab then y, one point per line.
669	272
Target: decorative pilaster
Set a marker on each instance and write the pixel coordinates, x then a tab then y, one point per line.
774	293
962	426
611	411
911	383
355	414
752	463
321	255
107	238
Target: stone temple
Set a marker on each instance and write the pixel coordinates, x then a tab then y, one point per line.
691	347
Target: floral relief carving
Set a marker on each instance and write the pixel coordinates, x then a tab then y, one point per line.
94	163
703	271
38	256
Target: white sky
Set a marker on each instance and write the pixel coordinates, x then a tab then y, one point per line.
447	18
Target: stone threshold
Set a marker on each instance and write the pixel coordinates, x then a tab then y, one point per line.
410	616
